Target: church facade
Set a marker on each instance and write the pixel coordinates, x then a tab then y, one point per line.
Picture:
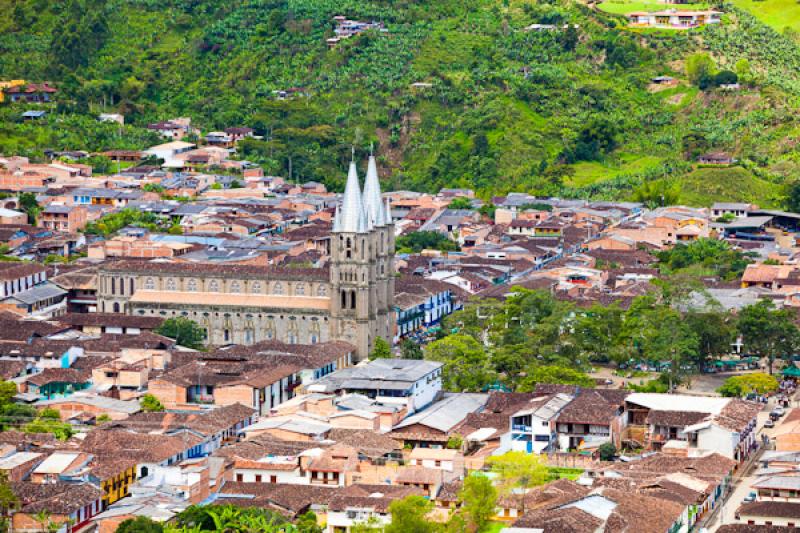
350	299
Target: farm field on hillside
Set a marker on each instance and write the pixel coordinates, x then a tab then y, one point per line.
779	14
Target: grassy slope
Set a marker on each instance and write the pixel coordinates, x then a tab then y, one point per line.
705	186
779	14
622	7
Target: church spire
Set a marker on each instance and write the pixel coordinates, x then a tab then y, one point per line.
373	203
351	218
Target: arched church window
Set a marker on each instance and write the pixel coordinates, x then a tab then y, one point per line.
300	289
256	286
149	284
213	286
322	290
236	287
171	285
191	285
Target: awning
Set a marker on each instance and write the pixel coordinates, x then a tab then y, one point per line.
791	372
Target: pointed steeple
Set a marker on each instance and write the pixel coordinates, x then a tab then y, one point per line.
373	204
351	218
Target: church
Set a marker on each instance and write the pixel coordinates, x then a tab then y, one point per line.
351	298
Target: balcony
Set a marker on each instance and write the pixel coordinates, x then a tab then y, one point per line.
522	428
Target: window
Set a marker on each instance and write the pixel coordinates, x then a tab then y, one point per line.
226	335
113	285
191	285
300	289
258	478
255	287
277	288
322	290
239	477
213	286
149	284
116	307
171	285
236	287
131	286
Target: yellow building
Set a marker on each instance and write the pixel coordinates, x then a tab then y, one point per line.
7	85
115	480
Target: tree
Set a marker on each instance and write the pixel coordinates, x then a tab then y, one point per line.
667	338
607	451
425	240
725	77
186	332
150	404
700	66
793	198
381	350
410	349
409	515
28	203
768	332
8	389
460	202
519	470
657	193
478	500
140	524
8	499
466	367
554	374
743	70
307	523
103	418
758	382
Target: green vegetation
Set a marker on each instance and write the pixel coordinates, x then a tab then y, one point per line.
738	386
151	404
114	222
778	14
769	332
533	338
559	112
186	332
381	349
424	240
708	257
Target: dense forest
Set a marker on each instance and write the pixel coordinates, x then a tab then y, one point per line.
569	111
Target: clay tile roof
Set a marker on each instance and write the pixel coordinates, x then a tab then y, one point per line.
295	499
222	270
771	509
377	497
56	498
675	418
58	375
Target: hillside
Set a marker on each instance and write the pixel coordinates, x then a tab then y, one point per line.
567	112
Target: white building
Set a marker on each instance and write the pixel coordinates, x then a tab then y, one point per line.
403	382
533	429
674	19
168	152
695	424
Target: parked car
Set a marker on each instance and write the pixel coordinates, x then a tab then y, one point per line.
751	497
774	416
780	411
769	423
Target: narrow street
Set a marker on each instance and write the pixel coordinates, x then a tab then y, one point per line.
744	477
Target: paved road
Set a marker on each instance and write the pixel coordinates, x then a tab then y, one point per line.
741	485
